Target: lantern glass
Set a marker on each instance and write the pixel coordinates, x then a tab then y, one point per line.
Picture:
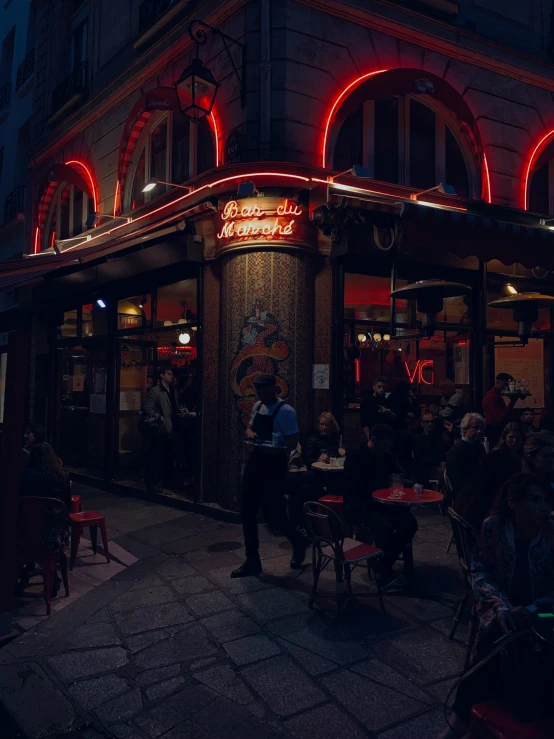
196	89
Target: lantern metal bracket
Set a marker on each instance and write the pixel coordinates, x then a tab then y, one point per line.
197	32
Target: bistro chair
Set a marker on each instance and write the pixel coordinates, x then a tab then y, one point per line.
94	521
465	538
495	721
40	539
448	488
330	545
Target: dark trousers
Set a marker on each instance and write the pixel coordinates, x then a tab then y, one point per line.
393	529
263	482
160	458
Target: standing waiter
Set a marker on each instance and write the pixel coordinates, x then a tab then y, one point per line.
265	473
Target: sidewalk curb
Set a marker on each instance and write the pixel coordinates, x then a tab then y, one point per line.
204	509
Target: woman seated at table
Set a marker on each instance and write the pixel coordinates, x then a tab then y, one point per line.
325	443
513	578
44	476
477	496
367	470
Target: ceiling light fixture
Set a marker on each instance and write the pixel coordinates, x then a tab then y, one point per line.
184	337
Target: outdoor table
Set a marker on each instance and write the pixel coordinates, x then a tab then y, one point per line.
326	467
410	500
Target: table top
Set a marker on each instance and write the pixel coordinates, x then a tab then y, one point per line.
325	467
409	498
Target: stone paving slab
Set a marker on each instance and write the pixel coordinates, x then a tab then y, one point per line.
325	722
224	680
93	693
99	634
251	649
152	617
189	644
283	686
206	604
87	662
230	625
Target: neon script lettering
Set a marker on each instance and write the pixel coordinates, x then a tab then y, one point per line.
248	221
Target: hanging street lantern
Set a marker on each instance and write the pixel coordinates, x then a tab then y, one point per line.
196	90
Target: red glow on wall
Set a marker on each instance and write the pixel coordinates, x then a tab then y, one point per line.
487	184
216	135
36	245
76	163
116	198
527	172
416	375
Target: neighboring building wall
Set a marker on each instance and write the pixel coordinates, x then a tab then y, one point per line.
17	29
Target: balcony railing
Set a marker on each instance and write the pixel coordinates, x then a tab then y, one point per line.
74	85
151	10
14	203
25	69
5	95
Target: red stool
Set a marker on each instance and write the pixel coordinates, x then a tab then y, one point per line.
95	521
494	721
333	501
75	504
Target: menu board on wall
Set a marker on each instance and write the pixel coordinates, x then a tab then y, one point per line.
525	364
130	400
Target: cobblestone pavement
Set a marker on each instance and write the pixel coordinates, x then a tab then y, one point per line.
171	647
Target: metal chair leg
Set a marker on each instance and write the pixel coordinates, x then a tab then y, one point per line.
450	542
377	573
340	585
459	612
471	635
316	569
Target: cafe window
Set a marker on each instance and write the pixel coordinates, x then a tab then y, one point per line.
171	149
408	142
177	303
367	297
68	213
134	313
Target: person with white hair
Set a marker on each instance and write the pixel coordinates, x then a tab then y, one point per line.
466	454
452	402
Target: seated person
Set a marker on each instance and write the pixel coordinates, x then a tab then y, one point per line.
34	434
325	442
404	404
429	452
477	496
526	419
45	477
513	577
367	470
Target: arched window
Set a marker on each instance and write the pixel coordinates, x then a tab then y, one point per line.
541	184
172	149
69	209
404	140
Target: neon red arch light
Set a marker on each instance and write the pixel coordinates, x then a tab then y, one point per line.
76	163
543	143
328	123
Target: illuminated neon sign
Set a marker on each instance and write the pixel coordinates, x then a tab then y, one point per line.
249	220
421	366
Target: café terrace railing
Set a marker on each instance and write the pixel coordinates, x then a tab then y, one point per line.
74	85
25	69
152	10
14	203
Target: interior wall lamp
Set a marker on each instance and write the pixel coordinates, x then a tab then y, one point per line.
197	87
442	187
93	218
151	184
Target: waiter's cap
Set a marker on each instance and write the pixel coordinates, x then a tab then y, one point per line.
264	380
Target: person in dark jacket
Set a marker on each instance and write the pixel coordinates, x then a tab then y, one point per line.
367	470
375	409
477	496
325	442
466	454
429	452
34	434
161	403
404	404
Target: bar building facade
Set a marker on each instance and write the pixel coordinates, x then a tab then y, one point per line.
297	206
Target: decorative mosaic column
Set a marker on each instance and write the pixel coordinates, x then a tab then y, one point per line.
266	326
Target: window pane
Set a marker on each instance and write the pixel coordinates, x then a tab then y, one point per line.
137	196
94	320
158	152
368	297
69	325
180	149
176	303
77	212
422	146
64	224
538	192
348	150
205	147
134	312
52	228
456	170
386	140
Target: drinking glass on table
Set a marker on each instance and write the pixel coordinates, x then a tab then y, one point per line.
396	487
